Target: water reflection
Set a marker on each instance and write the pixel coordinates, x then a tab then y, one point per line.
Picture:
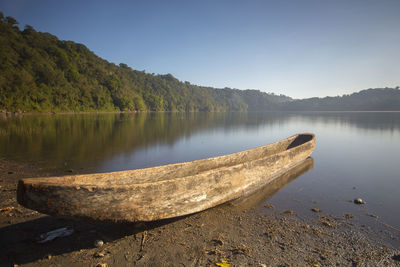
384	121
84	138
260	196
103	142
356	154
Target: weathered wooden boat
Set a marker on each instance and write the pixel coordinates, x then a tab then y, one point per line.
166	191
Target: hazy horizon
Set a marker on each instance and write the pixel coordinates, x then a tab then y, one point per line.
302	50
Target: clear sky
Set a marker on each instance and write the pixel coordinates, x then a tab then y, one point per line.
301	48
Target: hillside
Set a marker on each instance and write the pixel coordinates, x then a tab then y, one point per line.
40	73
382	99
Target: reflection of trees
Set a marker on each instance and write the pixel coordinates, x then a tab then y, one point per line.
82	137
388	121
268	190
86	138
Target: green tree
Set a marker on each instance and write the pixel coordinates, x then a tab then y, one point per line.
11	21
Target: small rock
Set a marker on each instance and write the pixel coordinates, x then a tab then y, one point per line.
263	265
269	206
359	201
371	215
316	210
98	243
218	242
349	216
289	212
326	223
99	255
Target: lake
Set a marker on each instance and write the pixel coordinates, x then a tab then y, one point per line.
357	154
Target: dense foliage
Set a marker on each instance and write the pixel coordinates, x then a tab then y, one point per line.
383	99
89	139
39	72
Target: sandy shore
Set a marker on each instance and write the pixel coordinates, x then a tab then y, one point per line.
240	233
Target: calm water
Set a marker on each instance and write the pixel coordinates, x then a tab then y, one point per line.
356	155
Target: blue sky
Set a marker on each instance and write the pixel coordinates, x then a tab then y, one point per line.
301	48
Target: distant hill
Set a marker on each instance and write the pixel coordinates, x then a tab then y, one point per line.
382	99
40	73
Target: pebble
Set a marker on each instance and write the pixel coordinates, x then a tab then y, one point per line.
359	201
269	206
289	212
98	243
371	215
218	242
99	255
316	210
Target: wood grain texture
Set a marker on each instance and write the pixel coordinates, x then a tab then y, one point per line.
166	191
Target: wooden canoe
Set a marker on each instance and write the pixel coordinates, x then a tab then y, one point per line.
166	191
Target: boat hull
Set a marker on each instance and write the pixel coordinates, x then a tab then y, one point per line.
167	191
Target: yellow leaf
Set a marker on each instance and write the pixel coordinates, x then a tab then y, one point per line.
223	264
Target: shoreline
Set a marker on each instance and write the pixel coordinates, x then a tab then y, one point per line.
16	114
237	234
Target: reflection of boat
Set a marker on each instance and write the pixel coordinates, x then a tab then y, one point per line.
165	191
270	189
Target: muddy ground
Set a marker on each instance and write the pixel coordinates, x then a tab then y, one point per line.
232	234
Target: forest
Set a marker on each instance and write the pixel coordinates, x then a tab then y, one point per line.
378	99
40	73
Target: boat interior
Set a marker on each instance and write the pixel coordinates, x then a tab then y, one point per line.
179	170
299	140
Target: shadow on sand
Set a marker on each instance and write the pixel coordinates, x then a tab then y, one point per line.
19	241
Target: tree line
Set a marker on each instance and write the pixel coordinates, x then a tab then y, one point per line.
40	73
382	99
